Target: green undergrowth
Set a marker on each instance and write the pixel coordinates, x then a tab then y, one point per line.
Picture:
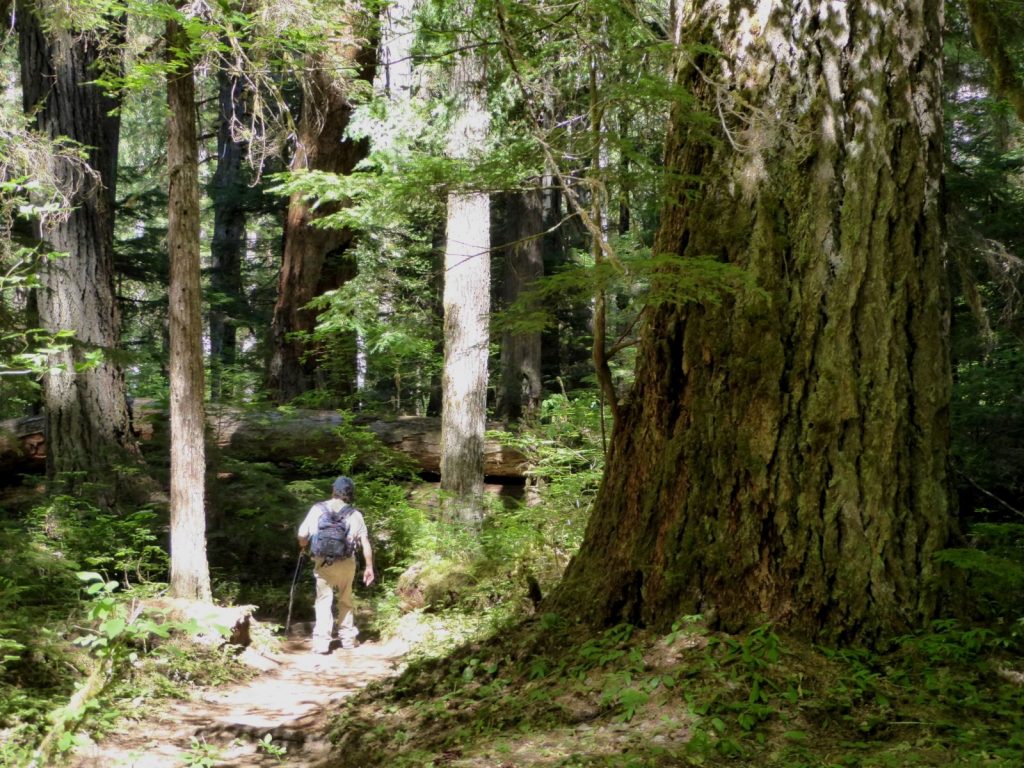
546	693
79	648
131	660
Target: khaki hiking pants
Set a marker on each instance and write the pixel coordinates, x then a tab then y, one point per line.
336	576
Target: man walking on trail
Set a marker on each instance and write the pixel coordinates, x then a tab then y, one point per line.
336	572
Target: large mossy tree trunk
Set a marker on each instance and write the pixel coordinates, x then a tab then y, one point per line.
783	454
88	426
316	259
190	572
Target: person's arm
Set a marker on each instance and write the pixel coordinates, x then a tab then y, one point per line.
306	528
368	557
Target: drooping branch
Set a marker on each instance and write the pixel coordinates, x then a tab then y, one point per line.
602	250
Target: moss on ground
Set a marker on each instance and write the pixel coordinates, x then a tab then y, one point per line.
547	694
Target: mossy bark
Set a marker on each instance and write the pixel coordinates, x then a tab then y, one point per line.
88	426
783	454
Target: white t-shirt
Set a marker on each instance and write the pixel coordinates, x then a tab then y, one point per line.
356	525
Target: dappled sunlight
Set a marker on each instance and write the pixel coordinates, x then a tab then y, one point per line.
291	701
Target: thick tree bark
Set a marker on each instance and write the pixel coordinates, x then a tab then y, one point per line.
523	265
87	416
783	455
227	248
190	575
467	305
314	259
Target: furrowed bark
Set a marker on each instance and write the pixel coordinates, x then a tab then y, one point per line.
783	454
190	574
88	425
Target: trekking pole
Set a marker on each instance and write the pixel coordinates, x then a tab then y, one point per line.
291	594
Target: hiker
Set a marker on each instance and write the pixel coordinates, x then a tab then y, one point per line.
334	528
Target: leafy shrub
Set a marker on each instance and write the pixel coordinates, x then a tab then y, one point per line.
994	568
565	458
122	546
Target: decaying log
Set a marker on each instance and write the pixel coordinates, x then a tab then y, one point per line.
275	436
321	435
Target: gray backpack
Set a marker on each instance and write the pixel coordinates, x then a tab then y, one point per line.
331	540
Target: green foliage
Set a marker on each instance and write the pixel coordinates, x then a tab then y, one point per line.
392	303
120	626
649	280
267	745
699	698
565	461
986	203
987	415
121	546
994	568
202	754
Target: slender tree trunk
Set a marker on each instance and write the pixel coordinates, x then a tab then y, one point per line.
315	259
783	454
396	45
88	425
523	265
227	248
467	305
190	575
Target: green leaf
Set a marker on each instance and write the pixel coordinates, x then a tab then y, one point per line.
113	627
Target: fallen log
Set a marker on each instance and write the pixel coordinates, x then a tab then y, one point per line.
323	436
277	436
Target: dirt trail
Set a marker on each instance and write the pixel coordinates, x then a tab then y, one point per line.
292	701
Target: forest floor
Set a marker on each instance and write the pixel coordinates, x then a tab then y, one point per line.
292	700
545	694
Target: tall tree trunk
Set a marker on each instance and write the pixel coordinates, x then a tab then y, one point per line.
467	305
523	265
190	575
314	259
87	419
783	454
227	248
